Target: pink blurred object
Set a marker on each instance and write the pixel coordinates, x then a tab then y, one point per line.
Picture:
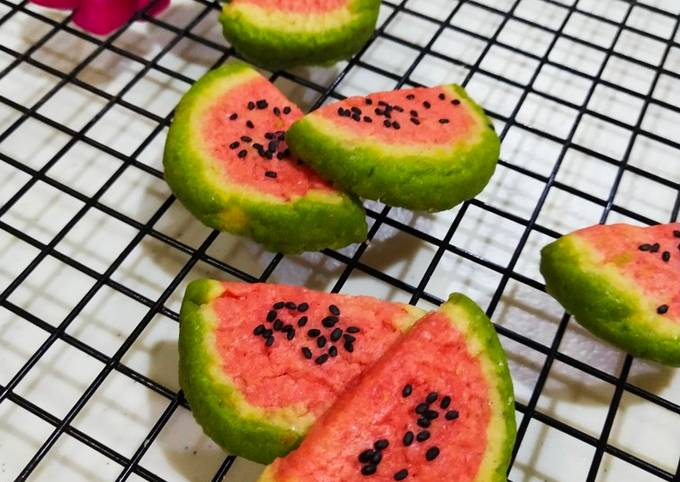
103	16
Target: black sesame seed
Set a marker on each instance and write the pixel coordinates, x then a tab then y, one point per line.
302	321
368	469
333	351
271	174
278	324
271	316
290	305
442	96
423	422
368	101
269	135
307	353
432	453
645	247
383	103
431	414
377	457
259	329
349	338
242	154
388	108
408	439
446	401
258	146
341	111
379	111
291	332
422	436
251	105
336	334
277	111
398	108
451	415
356	110
455	102
250	124
365	456
329	321
410	97
662	310
287	328
278	305
233	116
246	138
401	475
414	113
415	121
302	307
655	248
676	233
396	125
262	104
287	110
407	390
313	333
443	121
321	359
431	397
334	309
270	341
321	341
367	119
666	256
267	333
352	329
269	155
356	117
348	347
427	105
381	444
421	408
387	123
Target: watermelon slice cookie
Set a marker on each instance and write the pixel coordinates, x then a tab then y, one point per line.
227	161
622	283
422	148
438	406
284	33
260	362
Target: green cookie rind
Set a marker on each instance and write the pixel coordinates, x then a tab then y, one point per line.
481	328
309	223
278	49
613	314
254	438
419	181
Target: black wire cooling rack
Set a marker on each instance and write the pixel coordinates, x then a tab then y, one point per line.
550	23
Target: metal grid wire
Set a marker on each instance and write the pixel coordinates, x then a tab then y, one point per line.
351	260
